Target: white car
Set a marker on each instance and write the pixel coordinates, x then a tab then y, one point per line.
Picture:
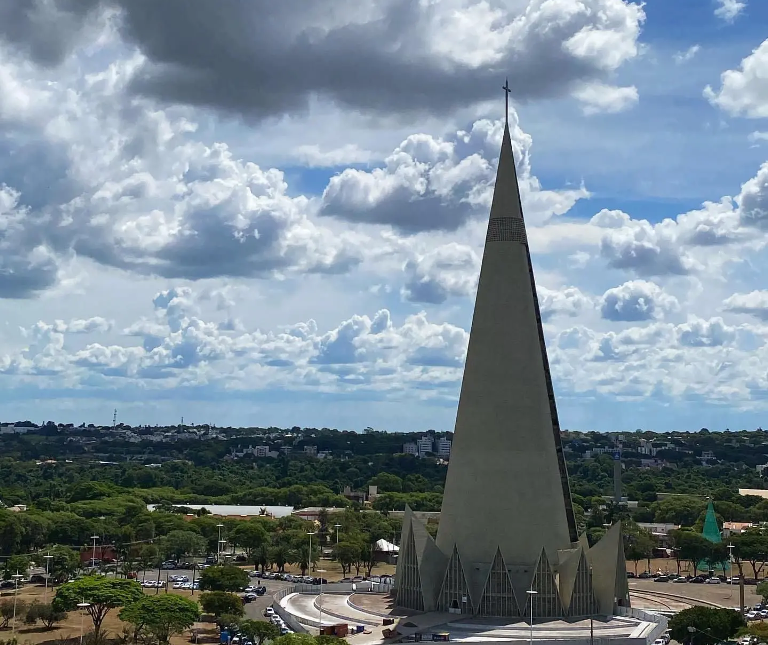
269	611
712	581
752	615
659	641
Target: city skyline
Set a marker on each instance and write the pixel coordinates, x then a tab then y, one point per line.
176	241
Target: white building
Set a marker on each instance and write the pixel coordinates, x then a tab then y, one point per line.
411	448
443	447
424	445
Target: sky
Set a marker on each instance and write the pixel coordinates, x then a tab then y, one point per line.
257	213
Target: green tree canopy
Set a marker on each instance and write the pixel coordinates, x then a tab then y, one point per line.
259	631
708	623
221	603
180	543
102	594
162	616
224	577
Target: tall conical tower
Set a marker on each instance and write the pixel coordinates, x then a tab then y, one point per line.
507	523
507	468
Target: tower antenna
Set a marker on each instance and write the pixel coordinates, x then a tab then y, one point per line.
507	90
114	420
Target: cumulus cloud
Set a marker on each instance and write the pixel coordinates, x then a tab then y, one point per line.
379	355
754	303
599	97
414	54
635	301
446	271
428	183
569	301
688	54
743	91
728	9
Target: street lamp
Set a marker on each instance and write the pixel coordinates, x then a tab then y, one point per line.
218	544
730	560
309	557
692	630
47	561
320	604
337	527
16	576
531	593
82	606
93	555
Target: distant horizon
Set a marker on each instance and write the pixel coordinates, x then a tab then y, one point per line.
362	431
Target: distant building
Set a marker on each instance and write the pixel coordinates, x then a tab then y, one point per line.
443	447
312	513
411	448
735	528
310	451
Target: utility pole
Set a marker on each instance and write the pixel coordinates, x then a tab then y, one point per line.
114	420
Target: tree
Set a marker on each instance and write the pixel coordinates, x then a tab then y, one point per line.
692	547
148	557
346	554
262	557
280	555
324	639
259	631
762	590
16	564
709	624
250	535
102	594
638	543
161	617
7	611
49	615
753	547
180	543
223	578
294	639
62	564
220	603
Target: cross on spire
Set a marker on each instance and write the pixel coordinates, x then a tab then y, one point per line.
506	89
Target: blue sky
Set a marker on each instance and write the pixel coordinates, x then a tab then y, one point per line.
204	217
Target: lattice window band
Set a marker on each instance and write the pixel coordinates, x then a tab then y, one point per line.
506	229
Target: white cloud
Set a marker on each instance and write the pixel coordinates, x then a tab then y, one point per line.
744	91
636	301
754	303
688	54
758	136
599	97
728	9
313	157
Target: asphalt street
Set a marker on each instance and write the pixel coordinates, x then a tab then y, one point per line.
254	609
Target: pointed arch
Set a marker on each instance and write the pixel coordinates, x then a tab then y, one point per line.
454	594
409	590
546	601
498	597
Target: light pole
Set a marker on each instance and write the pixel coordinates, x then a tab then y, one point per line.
93	555
337	527
47	562
218	544
730	561
16	576
82	606
309	557
531	593
320	604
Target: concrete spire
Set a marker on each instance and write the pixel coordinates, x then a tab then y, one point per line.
506	486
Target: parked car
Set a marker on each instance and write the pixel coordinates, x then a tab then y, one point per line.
661	579
698	580
680	579
629	575
645	575
712	581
